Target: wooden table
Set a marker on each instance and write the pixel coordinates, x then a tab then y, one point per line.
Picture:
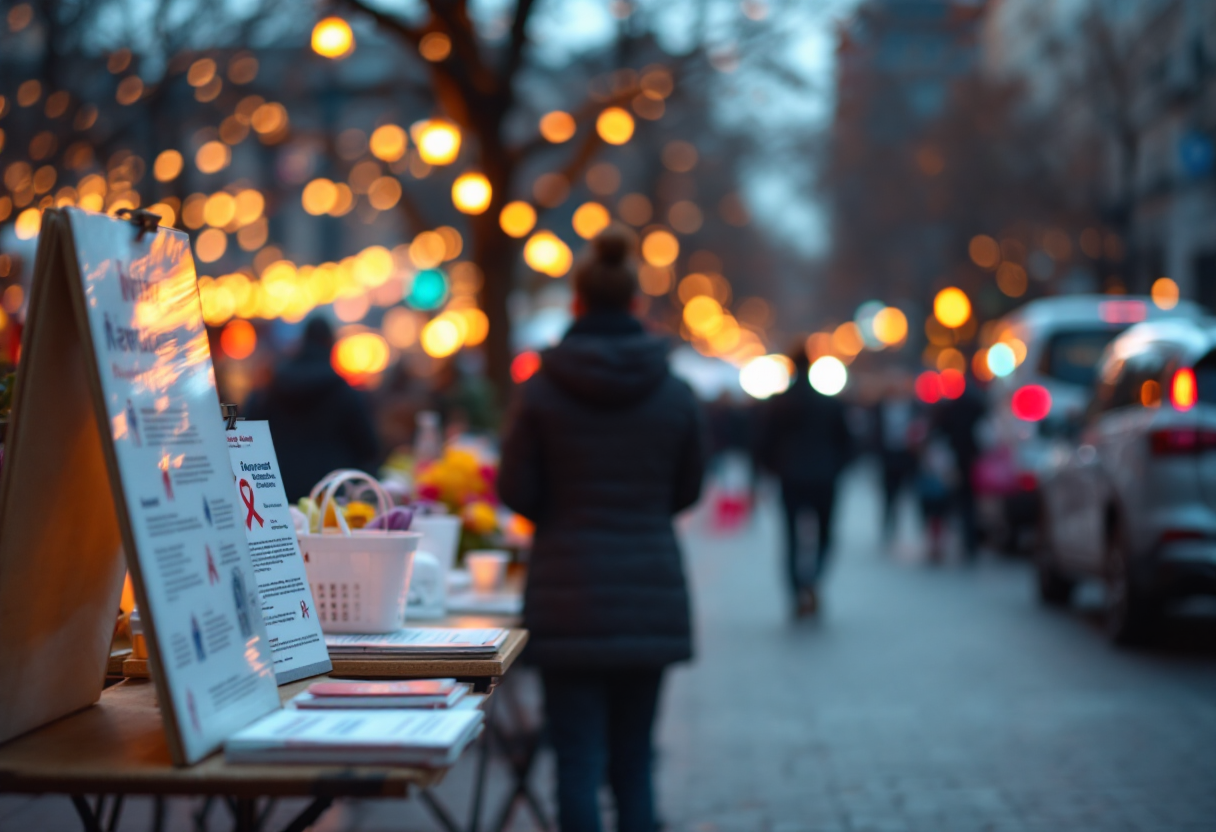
117	747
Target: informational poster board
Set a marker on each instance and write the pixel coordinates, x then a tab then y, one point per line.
147	364
297	645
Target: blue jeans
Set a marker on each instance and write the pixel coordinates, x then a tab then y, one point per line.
601	723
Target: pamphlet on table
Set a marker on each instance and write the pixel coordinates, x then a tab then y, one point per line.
414	693
264	513
420	641
391	737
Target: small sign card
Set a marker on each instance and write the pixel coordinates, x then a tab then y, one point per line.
296	643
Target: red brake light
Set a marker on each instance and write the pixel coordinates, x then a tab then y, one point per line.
929	387
1027	481
1031	403
1181	441
1122	311
953	383
1183	390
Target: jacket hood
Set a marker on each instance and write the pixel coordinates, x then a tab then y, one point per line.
614	370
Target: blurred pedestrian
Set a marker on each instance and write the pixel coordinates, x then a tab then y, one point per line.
957	420
805	441
319	422
936	479
603	447
900	427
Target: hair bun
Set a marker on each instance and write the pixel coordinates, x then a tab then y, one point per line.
612	245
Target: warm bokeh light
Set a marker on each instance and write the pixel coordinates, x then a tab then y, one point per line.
703	315
828	375
951	307
360	355
953	383
212	157
546	253
435	47
427	250
980	368
384	193
400	327
654	280
238	339
438	142
1011	279
890	326
590	219
388	142
219	209
1165	293
847	339
660	248
28	223
471	193
765	376
950	359
477	325
211	245
517	218
614	125
249	206
320	195
332	38
557	126
168	166
441	337
985	251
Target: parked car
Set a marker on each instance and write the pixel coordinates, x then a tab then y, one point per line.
1134	501
1063	338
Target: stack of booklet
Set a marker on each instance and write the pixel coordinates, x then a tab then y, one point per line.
433	739
416	642
437	694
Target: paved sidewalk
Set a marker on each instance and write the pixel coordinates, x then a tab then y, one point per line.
926	699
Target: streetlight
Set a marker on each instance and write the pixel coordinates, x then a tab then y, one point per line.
471	193
438	142
951	307
332	38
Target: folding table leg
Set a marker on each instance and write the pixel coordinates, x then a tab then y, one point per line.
87	818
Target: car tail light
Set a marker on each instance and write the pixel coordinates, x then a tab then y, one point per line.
1031	403
1181	441
1184	392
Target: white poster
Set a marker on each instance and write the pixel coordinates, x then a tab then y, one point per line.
296	643
158	384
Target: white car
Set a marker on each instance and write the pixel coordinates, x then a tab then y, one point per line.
1028	408
1134	501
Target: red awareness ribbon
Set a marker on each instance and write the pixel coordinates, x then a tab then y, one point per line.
248	500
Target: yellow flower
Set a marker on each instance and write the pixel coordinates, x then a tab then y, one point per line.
358	514
480	517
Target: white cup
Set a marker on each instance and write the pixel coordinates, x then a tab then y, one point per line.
488	569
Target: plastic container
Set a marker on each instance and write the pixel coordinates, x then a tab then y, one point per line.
440	537
359	579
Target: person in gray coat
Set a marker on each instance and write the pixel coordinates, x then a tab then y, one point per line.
603	447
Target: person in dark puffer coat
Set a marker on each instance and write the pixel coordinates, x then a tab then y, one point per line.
603	447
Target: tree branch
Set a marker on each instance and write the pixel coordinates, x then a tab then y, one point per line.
519	39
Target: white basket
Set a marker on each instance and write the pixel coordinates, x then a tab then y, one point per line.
360	579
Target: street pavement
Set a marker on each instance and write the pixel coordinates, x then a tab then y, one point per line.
923	699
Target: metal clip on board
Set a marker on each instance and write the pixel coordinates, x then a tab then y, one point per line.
142	219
